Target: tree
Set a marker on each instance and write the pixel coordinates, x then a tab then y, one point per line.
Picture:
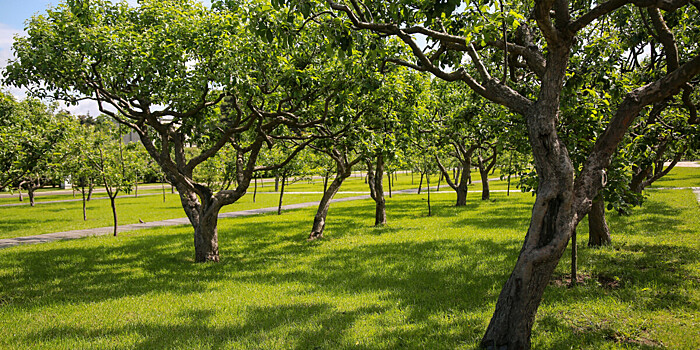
529	82
79	146
115	169
164	70
29	130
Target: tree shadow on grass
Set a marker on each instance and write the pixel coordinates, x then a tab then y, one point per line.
653	218
9	225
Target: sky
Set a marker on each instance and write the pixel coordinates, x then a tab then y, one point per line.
13	15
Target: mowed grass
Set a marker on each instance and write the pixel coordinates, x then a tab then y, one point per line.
19	221
418	283
356	183
680	177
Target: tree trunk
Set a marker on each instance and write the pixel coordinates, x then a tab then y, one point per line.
19	190
553	220
206	237
162	187
508	191
380	208
91	187
112	200
485	194
598	231
638	179
439	181
136	187
420	184
30	192
82	190
324	205
389	179
255	189
427	182
277	183
279	206
325	182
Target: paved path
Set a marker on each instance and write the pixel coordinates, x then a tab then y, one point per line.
101	231
59	192
76	200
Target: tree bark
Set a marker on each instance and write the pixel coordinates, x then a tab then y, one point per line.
206	237
279	206
255	189
420	184
322	212
389	180
82	190
427	182
598	231
377	190
112	200
485	193
19	190
553	221
91	187
30	192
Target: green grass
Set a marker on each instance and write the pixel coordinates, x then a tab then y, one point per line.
418	283
24	220
18	221
352	184
680	177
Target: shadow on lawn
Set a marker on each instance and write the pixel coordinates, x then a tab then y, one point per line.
9	225
430	280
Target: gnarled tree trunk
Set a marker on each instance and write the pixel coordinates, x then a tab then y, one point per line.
553	221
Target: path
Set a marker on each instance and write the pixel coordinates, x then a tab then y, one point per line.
76	200
49	237
101	231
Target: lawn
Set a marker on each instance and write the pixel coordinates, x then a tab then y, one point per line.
18	221
680	177
353	184
418	283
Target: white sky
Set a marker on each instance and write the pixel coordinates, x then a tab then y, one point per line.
14	14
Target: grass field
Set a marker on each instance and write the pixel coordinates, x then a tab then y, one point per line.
353	184
54	217
17	221
680	177
418	283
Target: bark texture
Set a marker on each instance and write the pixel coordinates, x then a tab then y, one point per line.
376	188
598	231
